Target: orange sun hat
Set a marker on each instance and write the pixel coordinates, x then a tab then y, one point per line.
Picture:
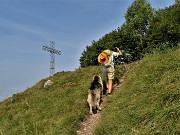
103	58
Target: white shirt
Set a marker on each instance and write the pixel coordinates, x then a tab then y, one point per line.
111	59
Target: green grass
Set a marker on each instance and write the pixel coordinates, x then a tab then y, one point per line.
53	110
147	103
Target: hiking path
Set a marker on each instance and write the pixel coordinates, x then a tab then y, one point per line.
90	122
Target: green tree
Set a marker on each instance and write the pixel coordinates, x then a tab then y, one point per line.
143	30
164	30
177	1
138	18
89	56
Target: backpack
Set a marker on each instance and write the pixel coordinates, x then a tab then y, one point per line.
108	52
104	57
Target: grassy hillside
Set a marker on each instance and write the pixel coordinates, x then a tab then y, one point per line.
56	110
148	101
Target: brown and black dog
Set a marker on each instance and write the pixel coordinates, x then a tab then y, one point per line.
95	94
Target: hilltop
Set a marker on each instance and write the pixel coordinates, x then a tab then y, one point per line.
148	102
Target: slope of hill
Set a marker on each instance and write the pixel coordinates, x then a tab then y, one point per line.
53	110
57	109
147	103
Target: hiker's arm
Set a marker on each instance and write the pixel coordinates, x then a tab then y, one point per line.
119	51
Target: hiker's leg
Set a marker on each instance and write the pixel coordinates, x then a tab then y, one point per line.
110	75
107	84
110	83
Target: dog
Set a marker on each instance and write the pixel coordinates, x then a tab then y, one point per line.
95	94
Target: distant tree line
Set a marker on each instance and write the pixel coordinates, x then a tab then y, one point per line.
144	30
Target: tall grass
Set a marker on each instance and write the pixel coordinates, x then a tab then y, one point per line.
148	101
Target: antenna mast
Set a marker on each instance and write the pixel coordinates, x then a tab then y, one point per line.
52	51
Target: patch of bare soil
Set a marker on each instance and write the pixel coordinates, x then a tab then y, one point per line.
90	122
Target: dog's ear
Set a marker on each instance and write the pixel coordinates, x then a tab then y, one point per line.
89	91
93	78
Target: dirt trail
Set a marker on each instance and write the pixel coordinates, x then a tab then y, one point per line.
90	122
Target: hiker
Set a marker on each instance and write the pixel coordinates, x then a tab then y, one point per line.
106	58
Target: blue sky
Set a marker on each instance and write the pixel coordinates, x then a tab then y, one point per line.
27	25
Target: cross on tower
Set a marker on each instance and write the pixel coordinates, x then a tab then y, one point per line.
52	51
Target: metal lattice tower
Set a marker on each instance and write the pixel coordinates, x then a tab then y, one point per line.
52	51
